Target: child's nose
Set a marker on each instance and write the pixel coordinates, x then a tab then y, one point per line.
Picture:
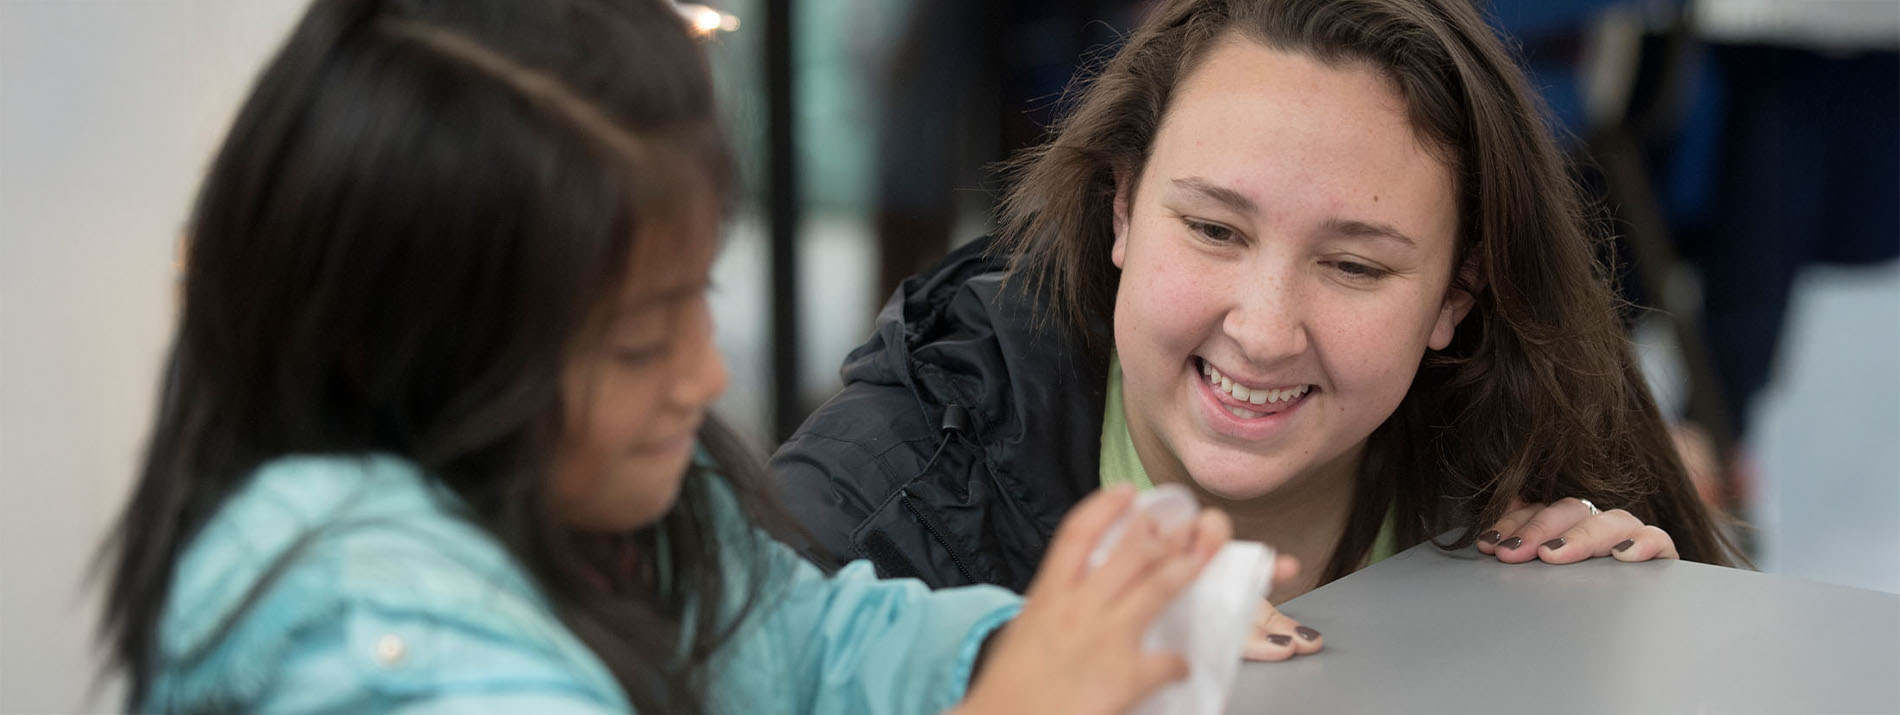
703	376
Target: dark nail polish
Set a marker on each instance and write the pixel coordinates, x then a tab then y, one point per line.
1307	633
1554	544
1490	537
1625	546
1280	639
1512	542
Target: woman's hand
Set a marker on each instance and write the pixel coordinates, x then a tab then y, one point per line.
1077	645
1566	532
1275	636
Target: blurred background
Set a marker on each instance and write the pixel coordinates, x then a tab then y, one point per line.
1747	151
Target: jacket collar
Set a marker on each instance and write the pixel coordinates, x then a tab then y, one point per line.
960	334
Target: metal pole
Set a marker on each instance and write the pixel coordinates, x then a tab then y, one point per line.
788	410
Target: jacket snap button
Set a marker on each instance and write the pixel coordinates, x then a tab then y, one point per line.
390	650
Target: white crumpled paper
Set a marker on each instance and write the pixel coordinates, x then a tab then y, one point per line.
1209	622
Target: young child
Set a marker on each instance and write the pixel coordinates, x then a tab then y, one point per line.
433	436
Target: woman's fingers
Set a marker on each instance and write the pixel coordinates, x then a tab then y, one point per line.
1548	523
1286	567
1566	532
1591	537
1067	560
1277	637
1514	518
1647	543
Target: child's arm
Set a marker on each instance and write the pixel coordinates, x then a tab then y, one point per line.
855	643
1079	646
850	642
500	704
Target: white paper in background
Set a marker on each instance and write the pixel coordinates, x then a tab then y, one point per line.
1209	622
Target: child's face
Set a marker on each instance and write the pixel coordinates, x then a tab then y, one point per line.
636	390
1264	242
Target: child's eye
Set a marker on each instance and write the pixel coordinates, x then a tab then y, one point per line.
639	355
1354	270
1213	232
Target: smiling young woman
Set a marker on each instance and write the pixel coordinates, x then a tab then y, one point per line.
1318	260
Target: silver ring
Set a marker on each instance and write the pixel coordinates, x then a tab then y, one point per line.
1592	507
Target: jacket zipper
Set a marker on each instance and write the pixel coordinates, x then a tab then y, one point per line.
938	535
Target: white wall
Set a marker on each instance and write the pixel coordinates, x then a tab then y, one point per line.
1827	432
108	112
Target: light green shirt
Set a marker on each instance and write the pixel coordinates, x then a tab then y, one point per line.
1122	465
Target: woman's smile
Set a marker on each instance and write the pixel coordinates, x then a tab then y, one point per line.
1234	409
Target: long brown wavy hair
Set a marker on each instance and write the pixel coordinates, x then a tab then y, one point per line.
1539	396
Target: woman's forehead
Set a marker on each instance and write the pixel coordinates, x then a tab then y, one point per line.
1290	134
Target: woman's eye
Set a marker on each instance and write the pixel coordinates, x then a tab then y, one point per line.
1358	271
1211	231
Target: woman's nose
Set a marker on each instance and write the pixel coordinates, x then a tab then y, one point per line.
1268	318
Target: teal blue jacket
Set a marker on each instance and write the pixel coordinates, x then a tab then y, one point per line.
334	584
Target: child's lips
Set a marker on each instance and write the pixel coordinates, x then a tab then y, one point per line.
669	445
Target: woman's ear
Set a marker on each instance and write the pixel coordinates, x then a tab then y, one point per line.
1459	297
1122	189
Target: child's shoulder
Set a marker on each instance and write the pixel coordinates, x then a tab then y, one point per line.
369	523
366	570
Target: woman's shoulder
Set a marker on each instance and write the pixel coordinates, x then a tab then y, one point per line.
361	573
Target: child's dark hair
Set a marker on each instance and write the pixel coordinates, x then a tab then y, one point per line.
412	217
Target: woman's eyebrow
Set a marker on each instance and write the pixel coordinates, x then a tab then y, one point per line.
1237	201
1219	194
1368	229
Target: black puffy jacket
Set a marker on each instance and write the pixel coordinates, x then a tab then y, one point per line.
860	477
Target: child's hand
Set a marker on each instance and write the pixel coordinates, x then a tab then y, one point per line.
1567	532
1076	647
1275	636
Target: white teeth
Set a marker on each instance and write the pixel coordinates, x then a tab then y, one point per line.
1250	395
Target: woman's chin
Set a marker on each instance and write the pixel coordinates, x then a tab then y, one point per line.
1237	486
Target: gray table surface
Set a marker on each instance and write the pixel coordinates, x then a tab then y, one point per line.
1426	631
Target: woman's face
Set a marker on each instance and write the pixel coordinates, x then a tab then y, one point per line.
636	388
1285	259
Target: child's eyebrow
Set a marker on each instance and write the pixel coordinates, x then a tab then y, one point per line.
666	296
